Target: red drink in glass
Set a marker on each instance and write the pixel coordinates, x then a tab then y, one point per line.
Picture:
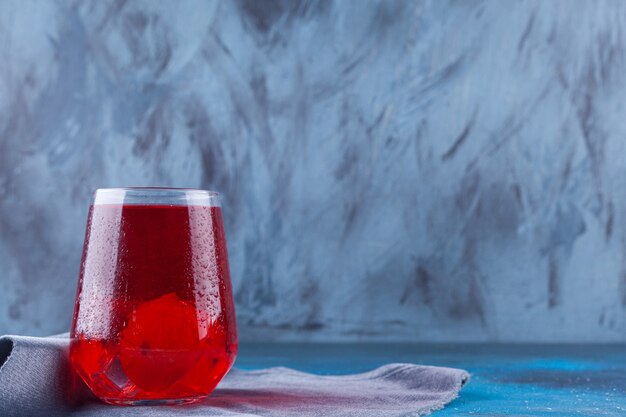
154	320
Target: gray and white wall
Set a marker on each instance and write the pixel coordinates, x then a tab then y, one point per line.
406	170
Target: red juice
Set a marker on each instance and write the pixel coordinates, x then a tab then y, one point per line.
154	316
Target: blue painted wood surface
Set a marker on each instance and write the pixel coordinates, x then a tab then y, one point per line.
518	380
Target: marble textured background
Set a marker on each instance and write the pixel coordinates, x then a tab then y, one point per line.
416	170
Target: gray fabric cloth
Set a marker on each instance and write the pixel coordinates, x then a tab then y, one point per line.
35	380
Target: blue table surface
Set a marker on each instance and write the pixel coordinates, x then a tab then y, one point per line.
507	380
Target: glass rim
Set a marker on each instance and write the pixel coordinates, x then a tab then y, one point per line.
156	196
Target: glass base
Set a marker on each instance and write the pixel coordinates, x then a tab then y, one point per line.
172	401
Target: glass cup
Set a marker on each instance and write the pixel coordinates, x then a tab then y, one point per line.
154	321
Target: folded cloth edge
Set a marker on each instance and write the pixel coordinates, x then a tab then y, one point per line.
59	343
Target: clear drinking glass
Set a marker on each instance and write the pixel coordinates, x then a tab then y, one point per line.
154	320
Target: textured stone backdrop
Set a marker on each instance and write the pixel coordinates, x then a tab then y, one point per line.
421	170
